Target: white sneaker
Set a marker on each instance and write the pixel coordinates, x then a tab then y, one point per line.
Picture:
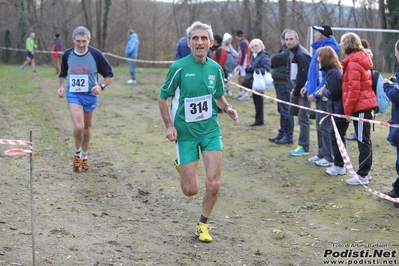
336	170
239	95
131	81
229	94
363	180
244	97
314	159
323	162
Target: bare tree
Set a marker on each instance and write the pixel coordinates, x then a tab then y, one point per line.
258	25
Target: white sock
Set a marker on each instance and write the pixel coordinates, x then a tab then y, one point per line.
78	152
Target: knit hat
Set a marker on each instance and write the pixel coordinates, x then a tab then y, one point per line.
240	33
324	30
226	37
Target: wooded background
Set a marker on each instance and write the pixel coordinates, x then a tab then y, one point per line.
160	24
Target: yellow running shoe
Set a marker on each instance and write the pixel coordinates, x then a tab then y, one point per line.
177	166
202	231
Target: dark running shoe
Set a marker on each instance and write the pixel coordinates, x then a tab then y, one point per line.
393	194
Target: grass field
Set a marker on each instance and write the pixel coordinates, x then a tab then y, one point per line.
273	209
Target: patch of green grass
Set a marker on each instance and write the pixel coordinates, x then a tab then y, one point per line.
280	234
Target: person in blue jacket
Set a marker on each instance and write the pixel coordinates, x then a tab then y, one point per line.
182	49
391	88
323	36
131	51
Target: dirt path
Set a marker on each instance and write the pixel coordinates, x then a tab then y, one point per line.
273	209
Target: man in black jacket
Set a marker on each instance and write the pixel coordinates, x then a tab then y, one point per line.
283	89
299	61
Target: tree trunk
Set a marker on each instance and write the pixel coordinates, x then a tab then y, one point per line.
282	7
257	29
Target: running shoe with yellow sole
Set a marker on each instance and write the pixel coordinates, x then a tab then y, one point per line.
202	231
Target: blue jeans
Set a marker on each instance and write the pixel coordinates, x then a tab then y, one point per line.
286	119
132	67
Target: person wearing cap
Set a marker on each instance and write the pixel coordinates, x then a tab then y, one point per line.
244	54
283	89
323	37
131	51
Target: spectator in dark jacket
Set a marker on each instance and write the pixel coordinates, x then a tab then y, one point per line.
182	49
259	63
299	61
358	99
283	89
332	90
391	88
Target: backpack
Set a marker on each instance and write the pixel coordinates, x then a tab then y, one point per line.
231	62
382	98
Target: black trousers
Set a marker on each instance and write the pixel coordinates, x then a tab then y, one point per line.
342	126
363	131
258	103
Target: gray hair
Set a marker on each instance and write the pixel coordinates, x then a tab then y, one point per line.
283	34
199	25
82	31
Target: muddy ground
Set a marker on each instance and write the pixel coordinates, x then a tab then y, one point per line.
273	209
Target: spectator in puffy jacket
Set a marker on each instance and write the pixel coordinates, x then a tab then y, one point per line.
131	51
358	99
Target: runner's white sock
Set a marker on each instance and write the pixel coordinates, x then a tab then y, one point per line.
78	152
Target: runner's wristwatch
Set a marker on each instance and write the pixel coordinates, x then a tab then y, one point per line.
102	85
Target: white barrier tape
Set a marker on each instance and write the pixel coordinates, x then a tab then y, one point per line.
105	53
349	166
18	152
315	110
15	142
341	146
